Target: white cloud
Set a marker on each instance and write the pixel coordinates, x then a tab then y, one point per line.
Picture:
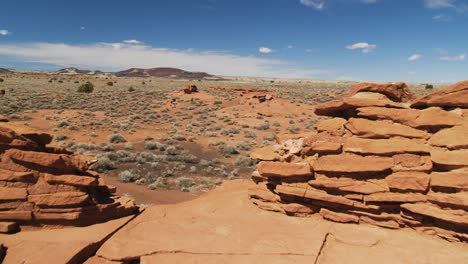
364	46
414	57
132	41
4	32
118	56
441	17
457	5
311	50
460	57
290	46
265	50
317	4
438	4
321	4
82	28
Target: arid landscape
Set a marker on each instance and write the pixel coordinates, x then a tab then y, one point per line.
144	150
234	132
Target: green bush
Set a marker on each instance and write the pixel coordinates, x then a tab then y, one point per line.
131	89
116	139
1	80
88	87
429	86
110	84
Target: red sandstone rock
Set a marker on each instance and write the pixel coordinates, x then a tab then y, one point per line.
408	182
382	129
338	217
412	162
457	158
24	216
454	200
73	180
433	117
398	92
352	163
299	209
13	176
455	95
349	185
266	154
8	227
331	125
189	89
452	138
384	146
19	160
284	170
260	191
396	197
65	199
458	217
456	180
12	194
342	107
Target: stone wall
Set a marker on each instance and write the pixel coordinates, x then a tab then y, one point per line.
46	185
382	159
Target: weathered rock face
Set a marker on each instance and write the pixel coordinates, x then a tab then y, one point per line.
378	162
39	186
189	89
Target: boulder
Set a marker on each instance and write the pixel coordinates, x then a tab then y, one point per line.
347	163
382	129
408	182
8	227
189	89
284	170
455	95
398	92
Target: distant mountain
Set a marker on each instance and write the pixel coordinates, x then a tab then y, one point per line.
163	72
3	70
76	71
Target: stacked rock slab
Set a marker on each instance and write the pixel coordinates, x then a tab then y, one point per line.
46	185
382	159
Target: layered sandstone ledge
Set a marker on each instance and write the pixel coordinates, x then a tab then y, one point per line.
46	185
383	159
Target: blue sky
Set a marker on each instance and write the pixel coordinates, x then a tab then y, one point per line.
378	40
